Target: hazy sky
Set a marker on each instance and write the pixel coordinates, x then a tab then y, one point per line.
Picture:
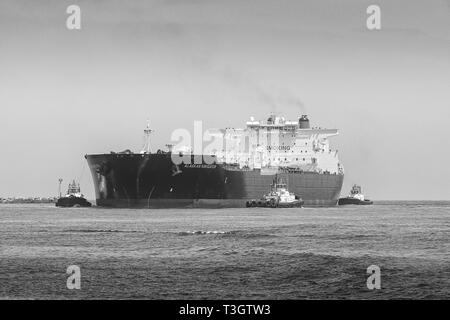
67	93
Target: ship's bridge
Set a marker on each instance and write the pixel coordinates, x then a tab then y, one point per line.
273	122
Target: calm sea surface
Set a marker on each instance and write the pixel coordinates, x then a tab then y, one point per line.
254	253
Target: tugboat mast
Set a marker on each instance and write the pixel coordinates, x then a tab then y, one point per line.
147	133
59	189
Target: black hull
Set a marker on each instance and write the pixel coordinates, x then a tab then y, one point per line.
347	201
69	202
153	181
265	204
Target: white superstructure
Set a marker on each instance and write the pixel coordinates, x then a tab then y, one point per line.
278	142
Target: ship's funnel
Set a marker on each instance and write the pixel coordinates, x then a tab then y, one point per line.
303	122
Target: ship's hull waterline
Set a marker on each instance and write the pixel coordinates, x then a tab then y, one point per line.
153	181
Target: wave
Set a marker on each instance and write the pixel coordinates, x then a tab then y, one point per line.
202	232
98	230
234	234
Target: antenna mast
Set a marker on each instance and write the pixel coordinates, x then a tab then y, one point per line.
147	133
60	180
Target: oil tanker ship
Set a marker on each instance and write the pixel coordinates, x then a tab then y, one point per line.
242	168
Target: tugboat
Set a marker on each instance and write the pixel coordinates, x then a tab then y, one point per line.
278	197
73	198
355	197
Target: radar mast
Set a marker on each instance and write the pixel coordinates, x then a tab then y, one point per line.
147	133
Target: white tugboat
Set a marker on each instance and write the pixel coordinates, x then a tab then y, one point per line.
73	198
278	197
355	197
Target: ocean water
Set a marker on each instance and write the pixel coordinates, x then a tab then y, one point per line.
254	253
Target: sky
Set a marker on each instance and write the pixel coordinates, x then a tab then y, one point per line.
66	93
